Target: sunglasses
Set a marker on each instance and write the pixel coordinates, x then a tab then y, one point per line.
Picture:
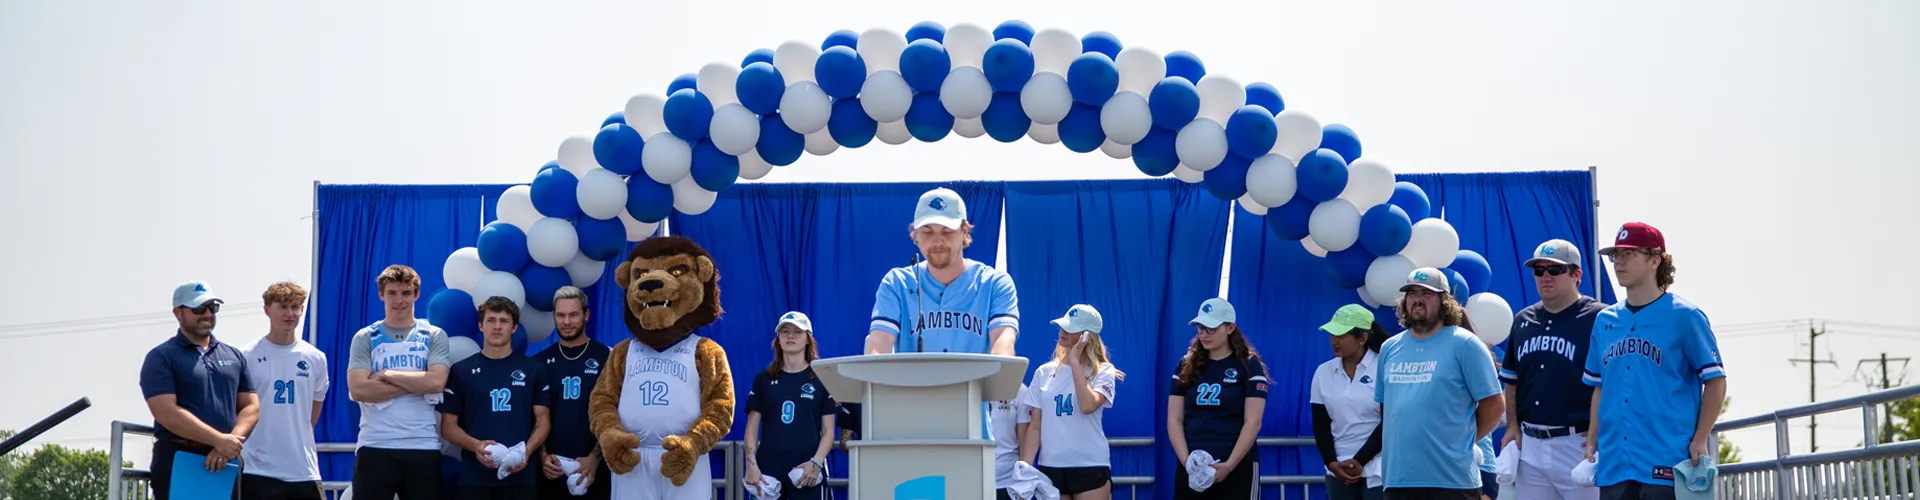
1551	270
210	307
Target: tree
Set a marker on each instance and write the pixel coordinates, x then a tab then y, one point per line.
1728	453
1906	421
9	464
56	472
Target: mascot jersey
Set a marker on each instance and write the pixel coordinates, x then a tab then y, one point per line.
408	421
926	316
660	397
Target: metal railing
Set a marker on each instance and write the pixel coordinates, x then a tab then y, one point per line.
1874	470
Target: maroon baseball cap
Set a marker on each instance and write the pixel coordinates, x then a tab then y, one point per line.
1636	235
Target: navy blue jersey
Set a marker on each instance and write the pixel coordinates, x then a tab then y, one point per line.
493	400
1216	404
1545	357
790	406
572	372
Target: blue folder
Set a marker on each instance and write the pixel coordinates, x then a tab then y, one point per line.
192	481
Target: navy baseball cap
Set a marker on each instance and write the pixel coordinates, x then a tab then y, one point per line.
1555	252
193	294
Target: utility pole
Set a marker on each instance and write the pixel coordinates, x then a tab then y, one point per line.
1812	362
1886	382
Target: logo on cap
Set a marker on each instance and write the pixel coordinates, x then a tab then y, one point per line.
1206	308
1623	234
1073	313
199	287
937	204
1548	249
1420	276
788	316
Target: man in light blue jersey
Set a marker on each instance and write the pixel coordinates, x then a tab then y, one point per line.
947	303
1439	396
397	370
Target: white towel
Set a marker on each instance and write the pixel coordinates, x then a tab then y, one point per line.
1507	466
1030	484
507	457
1583	472
1200	470
767	487
576	482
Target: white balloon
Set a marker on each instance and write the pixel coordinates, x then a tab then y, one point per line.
584	271
1334	225
716	81
644	114
666	158
576	155
1219	97
1271	181
886	96
753	167
1140	69
516	207
734	129
1246	203
499	284
637	230
795	61
538	323
552	242
880	48
1044	133
1201	145
1299	134
1116	150
821	143
1433	244
1385	276
893	133
460	348
463	268
602	194
1491	316
689	198
1046	98
1125	118
804	108
1188	174
1369	183
966	93
1366	297
966	44
1312	248
969	127
1054	50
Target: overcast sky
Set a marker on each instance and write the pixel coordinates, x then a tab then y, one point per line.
148	143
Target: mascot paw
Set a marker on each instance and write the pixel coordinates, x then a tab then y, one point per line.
677	464
617	448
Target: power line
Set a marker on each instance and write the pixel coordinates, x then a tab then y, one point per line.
1813	361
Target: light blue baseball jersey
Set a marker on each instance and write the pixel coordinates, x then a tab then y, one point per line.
1429	392
1653	363
926	316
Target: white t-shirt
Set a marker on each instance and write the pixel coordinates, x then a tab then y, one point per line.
1069	438
1350	403
289	380
1006	418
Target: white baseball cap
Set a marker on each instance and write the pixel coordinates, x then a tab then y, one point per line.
193	294
1428	278
1080	318
940	206
1213	313
1557	252
797	319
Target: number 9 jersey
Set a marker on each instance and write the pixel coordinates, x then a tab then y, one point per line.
1216	404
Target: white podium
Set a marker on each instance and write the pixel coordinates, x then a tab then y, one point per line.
922	428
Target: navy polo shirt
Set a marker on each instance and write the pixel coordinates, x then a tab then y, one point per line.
1546	354
207	383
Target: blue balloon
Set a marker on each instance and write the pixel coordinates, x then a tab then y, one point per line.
600	240
1184	64
541	282
1228	180
1323	175
1101	42
688	114
843	38
1289	220
1008	65
1385	229
760	86
1457	285
1005	120
1473	268
840	72
617	117
1341	140
1411	199
927	30
1348	268
925	64
850	126
548	165
503	247
554	194
1092	78
617	148
713	169
778	144
927	120
1263	95
1155	155
686	81
452	311
1174	103
1251	132
1014	29
1080	130
758	55
647	200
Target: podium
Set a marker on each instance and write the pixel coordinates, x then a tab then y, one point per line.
923	431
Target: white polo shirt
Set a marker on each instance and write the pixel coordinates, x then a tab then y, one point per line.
1350	403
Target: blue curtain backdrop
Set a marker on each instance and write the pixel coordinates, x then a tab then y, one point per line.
1145	254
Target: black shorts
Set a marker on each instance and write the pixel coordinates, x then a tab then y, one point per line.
1433	494
496	493
1635	490
384	473
1074	480
1238	484
1002	494
556	489
254	487
1488	485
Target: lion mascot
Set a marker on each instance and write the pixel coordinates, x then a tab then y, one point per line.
666	396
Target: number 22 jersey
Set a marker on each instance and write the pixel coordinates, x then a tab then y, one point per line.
1216	404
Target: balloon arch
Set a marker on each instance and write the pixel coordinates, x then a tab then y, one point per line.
1165	112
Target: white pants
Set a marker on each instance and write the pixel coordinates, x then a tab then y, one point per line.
645	481
1546	468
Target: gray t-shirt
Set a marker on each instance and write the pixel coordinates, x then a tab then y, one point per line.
407	422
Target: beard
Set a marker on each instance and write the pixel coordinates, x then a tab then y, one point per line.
572	336
1429	319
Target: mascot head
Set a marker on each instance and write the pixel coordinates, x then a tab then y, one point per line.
671	288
